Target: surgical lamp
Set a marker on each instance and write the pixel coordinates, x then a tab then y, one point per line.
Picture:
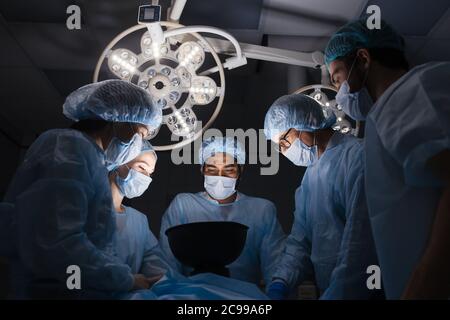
169	66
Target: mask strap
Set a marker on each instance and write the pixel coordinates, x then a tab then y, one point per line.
351	68
116	172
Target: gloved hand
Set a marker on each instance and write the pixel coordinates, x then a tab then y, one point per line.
277	290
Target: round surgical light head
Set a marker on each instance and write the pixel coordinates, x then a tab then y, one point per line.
182	122
168	69
203	90
190	55
123	63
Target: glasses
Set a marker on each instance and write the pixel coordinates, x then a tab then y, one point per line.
284	144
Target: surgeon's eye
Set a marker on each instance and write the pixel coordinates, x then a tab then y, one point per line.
211	171
230	172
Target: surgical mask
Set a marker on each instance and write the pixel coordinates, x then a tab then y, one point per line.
356	105
219	187
118	152
134	185
300	154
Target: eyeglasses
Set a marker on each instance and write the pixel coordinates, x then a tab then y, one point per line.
284	144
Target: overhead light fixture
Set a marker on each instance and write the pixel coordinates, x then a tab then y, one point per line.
325	96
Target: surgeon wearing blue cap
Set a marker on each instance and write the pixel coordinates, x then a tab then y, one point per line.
407	154
330	240
222	161
63	213
134	242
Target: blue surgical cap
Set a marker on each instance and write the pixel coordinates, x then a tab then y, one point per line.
227	145
114	101
355	35
147	147
297	111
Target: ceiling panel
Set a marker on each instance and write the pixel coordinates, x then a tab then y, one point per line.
308	17
37	11
11	54
53	46
229	14
298	43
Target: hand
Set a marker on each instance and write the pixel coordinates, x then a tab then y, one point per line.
277	290
154	279
142	282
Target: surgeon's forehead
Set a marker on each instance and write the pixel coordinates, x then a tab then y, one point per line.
336	67
149	158
220	158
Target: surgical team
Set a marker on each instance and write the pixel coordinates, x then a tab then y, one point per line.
383	200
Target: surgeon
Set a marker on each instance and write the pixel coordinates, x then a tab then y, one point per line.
407	154
330	240
222	161
135	243
63	210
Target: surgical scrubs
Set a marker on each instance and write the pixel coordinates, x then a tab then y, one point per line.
407	126
264	237
63	215
136	245
331	239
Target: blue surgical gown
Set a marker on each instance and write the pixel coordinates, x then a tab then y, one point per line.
331	239
64	216
407	126
136	245
264	237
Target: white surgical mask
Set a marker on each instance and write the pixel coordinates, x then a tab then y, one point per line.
118	152
358	104
219	187
134	185
300	154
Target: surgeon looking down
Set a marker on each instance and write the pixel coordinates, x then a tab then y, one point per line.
134	242
407	160
222	161
61	195
330	239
